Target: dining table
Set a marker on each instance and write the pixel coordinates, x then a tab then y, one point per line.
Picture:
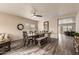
36	35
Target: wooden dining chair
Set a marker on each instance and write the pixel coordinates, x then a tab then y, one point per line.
27	40
25	37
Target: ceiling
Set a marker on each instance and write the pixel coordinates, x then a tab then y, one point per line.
47	10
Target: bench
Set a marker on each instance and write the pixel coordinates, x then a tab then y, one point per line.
5	46
41	41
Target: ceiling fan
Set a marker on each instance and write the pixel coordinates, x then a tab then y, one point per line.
34	12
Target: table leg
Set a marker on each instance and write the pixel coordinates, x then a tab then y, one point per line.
39	43
9	47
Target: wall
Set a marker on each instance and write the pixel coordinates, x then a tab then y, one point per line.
8	24
52	26
77	22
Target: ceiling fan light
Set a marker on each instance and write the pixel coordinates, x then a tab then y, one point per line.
35	13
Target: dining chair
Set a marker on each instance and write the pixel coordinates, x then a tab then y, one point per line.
27	40
25	37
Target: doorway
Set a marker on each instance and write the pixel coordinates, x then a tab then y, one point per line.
65	42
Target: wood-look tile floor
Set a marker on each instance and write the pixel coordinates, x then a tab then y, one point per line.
52	48
49	49
65	47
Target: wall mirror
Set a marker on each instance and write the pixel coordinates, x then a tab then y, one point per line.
20	26
46	25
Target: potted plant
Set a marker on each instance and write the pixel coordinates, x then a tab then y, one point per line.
76	35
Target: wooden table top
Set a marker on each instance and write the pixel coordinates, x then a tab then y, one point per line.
34	34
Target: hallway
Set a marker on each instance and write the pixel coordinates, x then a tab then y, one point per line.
65	45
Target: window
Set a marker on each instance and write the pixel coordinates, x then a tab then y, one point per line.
66	21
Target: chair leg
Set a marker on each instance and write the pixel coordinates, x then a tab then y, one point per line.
34	42
31	42
28	42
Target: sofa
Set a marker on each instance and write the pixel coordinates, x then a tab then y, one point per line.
4	38
4	43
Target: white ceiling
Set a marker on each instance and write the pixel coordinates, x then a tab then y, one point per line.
47	10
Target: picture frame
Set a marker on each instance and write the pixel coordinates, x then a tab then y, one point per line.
46	25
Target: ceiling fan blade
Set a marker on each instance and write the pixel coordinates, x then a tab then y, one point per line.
39	15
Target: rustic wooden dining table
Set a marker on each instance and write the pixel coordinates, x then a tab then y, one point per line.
36	35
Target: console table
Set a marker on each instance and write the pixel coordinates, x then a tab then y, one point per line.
5	46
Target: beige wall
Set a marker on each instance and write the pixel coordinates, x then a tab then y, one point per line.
77	22
52	26
8	24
